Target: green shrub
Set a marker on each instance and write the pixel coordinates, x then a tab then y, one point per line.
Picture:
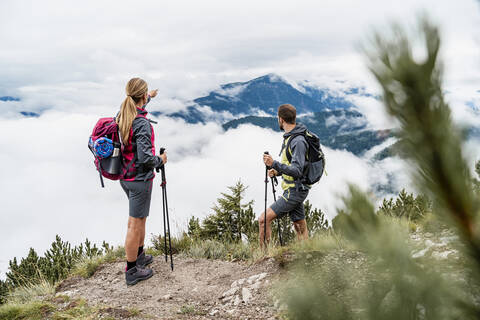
3	291
56	264
213	249
181	244
231	219
406	206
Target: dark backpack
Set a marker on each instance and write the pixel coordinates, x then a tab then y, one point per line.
315	158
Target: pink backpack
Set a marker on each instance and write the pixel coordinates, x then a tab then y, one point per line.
106	145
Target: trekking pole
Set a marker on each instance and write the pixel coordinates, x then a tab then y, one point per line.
274	183
265	212
163	206
279	226
166	224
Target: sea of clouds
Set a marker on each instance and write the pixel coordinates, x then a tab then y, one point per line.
71	63
50	185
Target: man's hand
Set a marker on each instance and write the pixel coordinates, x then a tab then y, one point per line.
153	93
268	160
272	173
163	157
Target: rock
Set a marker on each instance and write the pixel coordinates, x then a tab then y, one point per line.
446	240
442	255
230	292
420	253
262	276
231	311
165	297
256	285
252	279
237	301
238	282
246	295
68	293
213	312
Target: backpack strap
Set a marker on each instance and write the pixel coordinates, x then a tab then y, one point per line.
130	164
99	169
287	147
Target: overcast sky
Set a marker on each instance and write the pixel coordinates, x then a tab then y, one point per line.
74	59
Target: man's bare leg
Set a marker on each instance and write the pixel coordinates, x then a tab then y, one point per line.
301	229
271	215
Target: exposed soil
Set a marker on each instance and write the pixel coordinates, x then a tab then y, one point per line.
196	289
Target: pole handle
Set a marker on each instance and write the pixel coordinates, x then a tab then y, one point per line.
162	150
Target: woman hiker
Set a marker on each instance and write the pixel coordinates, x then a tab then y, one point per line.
136	133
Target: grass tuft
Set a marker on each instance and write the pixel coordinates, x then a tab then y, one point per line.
87	267
31	310
31	292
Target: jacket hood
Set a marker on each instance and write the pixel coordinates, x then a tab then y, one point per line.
299	128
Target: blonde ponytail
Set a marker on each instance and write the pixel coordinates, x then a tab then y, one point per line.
136	89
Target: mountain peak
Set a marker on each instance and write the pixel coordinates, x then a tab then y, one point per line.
271	77
262	96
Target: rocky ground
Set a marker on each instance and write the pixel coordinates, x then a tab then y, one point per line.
214	289
196	289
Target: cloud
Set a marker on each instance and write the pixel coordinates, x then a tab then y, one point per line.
53	188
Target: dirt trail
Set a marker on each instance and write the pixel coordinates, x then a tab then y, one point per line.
196	289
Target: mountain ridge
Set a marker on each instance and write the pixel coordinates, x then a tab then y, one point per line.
263	95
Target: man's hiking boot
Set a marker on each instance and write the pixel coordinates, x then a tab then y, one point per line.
144	260
136	274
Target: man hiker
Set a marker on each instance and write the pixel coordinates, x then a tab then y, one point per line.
292	172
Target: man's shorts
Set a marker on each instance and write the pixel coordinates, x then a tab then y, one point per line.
291	203
139	194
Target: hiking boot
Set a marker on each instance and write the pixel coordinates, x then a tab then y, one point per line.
136	274
144	260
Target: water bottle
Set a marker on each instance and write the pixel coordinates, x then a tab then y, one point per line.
113	164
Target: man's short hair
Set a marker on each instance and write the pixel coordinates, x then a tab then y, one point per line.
288	113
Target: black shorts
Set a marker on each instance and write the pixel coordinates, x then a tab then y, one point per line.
139	194
291	203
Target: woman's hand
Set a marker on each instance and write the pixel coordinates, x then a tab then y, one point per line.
153	93
163	156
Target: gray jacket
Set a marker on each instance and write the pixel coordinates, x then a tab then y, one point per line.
144	138
299	148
